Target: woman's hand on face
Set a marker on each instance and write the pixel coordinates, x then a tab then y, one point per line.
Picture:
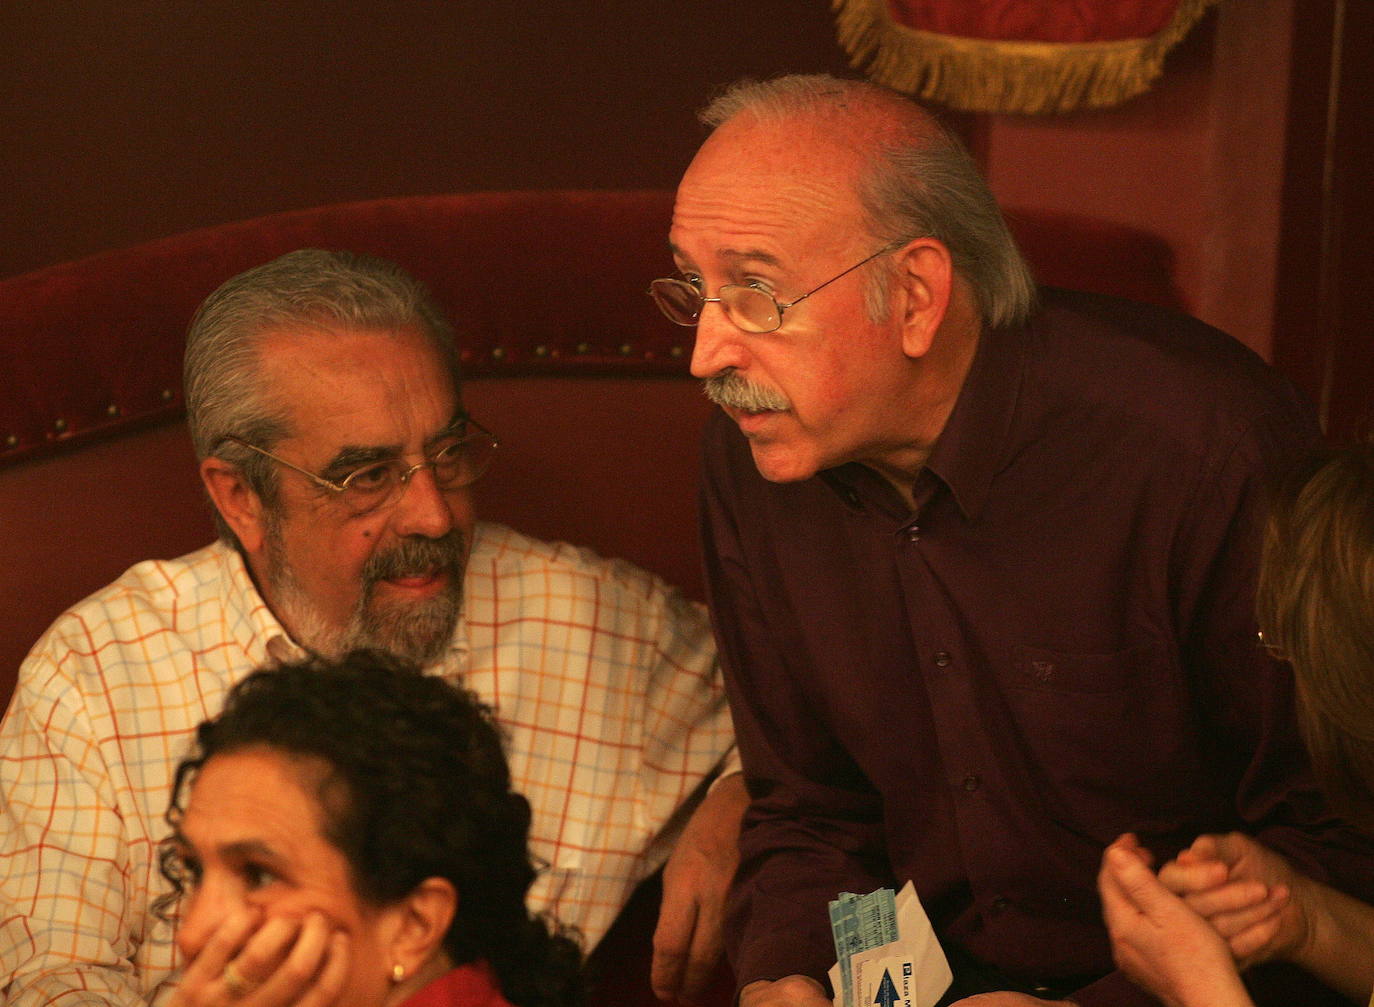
277	962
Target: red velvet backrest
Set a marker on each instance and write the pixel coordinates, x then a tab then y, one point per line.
566	359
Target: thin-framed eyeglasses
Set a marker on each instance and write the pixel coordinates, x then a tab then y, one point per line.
460	459
1270	647
748	306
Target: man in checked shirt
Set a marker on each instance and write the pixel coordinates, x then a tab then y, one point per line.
323	400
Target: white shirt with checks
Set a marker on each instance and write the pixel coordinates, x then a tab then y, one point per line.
604	679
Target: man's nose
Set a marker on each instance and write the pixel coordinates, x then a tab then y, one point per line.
424	508
719	343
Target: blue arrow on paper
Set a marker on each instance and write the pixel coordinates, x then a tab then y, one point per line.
887	991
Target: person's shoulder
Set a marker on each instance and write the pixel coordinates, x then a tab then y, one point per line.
500	552
150	599
1157	362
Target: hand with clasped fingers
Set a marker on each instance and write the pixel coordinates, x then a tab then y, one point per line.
789	991
1157	940
688	940
802	991
280	961
1265	909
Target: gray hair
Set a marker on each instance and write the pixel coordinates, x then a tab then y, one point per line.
920	182
309	289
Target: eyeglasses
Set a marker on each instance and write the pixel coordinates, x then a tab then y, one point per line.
459	460
1270	647
750	307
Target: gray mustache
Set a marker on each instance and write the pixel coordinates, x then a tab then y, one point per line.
413	556
730	389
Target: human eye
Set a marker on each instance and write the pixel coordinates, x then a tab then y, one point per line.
257	876
371	478
692	279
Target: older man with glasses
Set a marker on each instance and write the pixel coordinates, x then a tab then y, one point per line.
980	558
323	401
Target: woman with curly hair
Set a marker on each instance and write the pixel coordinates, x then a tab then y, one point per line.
350	837
1229	902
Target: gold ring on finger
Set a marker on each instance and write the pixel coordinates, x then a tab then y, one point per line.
234	981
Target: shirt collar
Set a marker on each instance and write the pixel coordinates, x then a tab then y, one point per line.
975	440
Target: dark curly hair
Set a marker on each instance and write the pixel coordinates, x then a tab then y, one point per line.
417	787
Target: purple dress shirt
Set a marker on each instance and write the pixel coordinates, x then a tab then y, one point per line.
1056	646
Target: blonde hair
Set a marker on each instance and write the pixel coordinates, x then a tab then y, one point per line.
1315	604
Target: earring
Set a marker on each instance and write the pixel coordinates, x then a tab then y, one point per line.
398	972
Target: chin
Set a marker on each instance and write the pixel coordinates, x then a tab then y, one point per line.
780	464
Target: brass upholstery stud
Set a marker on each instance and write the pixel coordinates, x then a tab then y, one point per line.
112	410
626	349
677	351
167	395
541	350
59	425
12	441
498	352
584	347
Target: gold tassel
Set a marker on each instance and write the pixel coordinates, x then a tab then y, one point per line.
980	75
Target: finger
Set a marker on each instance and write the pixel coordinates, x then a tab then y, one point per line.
1134	885
299	968
266	949
1127	841
221	947
1186	878
1231	897
1248	943
330	983
707	946
1229	848
672	938
1234	923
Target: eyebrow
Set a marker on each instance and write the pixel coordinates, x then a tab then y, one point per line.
354	456
244	849
735	255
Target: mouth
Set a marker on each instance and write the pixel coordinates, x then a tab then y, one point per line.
419	583
750	420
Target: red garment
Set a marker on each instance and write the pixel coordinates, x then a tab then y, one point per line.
471	985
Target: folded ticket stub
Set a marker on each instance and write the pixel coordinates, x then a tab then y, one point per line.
886	951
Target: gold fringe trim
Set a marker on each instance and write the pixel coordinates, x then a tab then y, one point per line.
981	75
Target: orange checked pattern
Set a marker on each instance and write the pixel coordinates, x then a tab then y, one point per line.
604	679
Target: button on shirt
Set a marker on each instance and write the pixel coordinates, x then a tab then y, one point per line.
1057	646
603	678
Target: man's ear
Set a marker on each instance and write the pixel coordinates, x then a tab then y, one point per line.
924	285
419	922
236	502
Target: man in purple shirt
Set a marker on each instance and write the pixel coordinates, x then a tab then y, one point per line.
981	558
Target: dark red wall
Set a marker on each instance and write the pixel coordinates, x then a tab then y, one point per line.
130	119
123	120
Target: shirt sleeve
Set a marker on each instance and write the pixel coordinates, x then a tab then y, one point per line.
688	737
813	827
64	938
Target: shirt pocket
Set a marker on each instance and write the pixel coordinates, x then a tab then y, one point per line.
1107	735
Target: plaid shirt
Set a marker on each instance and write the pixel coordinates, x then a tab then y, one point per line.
604	679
